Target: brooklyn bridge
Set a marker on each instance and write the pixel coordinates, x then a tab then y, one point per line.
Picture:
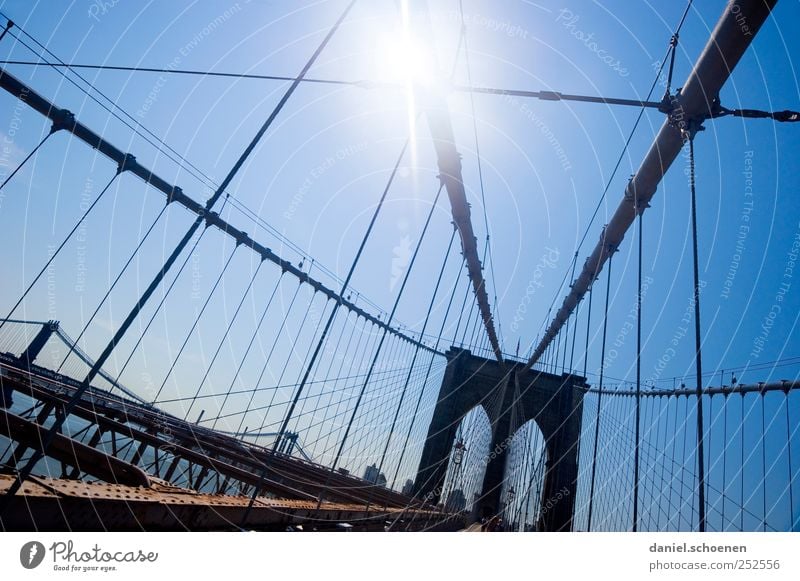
172	360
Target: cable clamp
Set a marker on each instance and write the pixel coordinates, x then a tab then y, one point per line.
128	162
63	119
174	193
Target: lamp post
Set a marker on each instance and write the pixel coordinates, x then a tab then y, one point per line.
458	452
510	495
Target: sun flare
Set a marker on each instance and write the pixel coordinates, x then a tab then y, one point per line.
404	59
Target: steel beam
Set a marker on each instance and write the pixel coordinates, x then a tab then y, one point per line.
69	451
67	505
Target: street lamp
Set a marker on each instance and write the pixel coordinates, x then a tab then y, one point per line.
508	508
510	495
458	452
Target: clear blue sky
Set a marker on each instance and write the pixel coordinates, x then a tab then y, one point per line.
321	168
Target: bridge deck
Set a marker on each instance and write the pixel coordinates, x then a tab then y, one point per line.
113	489
61	504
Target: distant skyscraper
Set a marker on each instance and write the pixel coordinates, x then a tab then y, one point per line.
456	502
371	474
408	487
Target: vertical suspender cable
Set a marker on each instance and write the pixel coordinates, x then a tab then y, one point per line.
789	452
468	321
588	331
673	463
574	336
741	472
763	462
575	328
663	449
600	392
557	352
638	384
683	465
461	313
701	481
724	454
585	363
710	447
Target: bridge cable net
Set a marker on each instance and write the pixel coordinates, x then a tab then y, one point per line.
290	395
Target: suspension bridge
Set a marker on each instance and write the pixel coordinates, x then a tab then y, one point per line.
300	404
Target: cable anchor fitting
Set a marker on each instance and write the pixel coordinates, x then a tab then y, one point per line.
128	163
63	119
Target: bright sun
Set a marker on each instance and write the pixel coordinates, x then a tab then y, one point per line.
402	59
